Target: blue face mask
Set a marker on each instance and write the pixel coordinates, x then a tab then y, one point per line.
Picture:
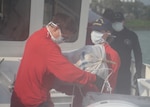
96	37
117	26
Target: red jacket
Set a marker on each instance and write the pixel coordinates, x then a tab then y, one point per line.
113	56
41	63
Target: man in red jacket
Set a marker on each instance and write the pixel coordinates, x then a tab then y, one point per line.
43	62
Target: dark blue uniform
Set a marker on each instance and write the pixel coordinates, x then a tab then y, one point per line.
125	42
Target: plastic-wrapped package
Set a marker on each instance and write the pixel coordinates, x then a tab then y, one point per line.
91	58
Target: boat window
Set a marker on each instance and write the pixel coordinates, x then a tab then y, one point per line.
70	7
14	20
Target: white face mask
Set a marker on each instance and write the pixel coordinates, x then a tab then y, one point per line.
58	40
117	26
96	37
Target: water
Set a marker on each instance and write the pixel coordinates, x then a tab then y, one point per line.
144	38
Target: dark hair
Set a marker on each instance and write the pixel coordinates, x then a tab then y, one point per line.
108	14
65	22
118	17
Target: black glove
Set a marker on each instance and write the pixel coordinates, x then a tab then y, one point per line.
99	82
136	76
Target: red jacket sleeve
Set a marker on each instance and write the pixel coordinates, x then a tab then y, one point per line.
64	70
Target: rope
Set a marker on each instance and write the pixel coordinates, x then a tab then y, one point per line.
105	82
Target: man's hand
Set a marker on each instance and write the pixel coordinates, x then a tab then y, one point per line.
136	76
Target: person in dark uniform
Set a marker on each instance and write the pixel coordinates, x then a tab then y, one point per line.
108	14
125	42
